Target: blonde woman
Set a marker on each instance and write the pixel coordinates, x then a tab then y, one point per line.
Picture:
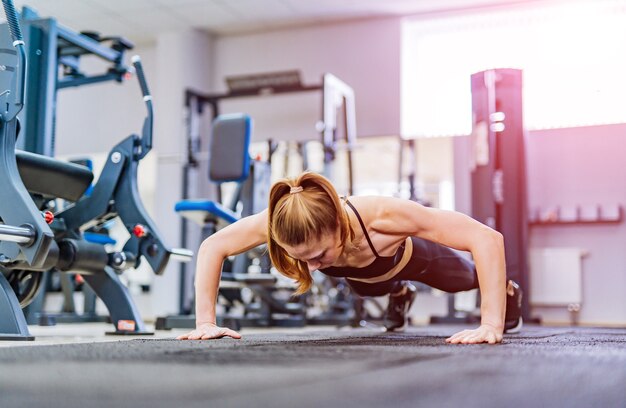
378	244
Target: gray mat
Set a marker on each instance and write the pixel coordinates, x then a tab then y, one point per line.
542	367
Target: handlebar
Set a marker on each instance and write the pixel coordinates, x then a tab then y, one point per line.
146	137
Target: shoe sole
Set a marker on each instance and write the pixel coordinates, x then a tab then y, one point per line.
517	328
398	329
403	327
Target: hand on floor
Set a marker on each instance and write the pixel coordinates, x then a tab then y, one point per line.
208	331
484	334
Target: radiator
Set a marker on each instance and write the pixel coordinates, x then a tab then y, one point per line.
556	276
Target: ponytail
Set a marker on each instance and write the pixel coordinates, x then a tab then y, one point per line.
302	210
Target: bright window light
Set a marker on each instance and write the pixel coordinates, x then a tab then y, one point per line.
572	55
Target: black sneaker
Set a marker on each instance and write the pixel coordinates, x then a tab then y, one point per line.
513	317
395	317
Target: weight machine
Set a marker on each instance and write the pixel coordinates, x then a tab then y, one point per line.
336	96
35	235
57	51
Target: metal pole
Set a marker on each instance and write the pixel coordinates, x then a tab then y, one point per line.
19	235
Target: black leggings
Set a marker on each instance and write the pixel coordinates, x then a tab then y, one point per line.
433	264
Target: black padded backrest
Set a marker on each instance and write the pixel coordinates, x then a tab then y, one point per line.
53	178
230	140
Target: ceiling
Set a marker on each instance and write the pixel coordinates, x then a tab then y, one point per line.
141	20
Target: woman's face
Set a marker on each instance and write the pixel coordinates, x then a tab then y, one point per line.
318	254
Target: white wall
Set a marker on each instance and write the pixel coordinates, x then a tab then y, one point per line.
364	54
182	61
583	167
574	167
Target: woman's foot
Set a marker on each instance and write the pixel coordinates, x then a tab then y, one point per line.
513	317
399	304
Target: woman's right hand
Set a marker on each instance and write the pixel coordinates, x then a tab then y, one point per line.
207	331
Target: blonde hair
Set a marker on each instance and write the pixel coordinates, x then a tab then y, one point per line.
302	210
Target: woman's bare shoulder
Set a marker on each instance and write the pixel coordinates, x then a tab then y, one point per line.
390	215
376	206
368	203
373	209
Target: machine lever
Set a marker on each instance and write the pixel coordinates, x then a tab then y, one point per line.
181	254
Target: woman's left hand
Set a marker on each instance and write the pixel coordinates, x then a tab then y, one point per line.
484	334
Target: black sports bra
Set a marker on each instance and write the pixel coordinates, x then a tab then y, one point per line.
379	266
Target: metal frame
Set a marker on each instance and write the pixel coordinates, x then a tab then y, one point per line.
50	46
335	94
28	242
24	214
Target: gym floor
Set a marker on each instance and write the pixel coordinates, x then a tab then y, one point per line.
78	366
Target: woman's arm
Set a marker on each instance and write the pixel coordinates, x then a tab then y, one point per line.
234	239
462	232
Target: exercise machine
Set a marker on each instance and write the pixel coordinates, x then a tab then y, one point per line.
229	161
35	237
24	234
58	52
337	125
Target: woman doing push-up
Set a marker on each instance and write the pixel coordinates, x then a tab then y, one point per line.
379	244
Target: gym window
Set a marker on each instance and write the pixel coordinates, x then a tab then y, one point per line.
571	54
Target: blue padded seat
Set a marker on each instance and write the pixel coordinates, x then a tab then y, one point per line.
198	210
98	238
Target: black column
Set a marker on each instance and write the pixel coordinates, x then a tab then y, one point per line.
499	166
